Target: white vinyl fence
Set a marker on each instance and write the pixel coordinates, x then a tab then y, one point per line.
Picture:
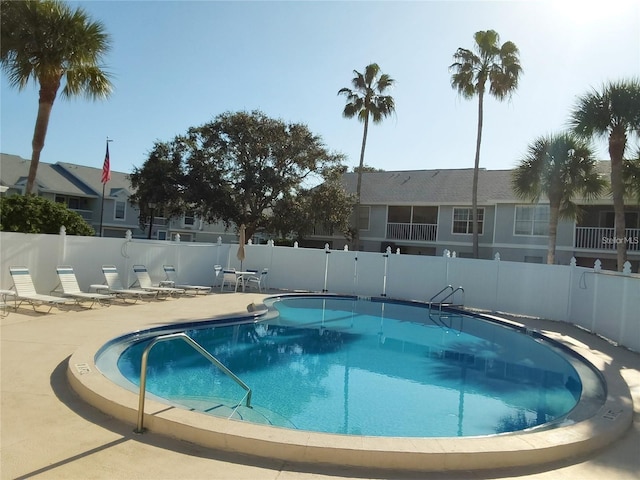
604	303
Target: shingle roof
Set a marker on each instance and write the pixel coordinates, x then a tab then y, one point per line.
440	186
91	177
49	179
62	178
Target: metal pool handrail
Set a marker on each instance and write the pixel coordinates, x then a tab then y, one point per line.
450	295
199	349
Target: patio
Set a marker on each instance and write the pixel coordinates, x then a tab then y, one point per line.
49	432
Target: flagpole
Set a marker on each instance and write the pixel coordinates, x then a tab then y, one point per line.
104	184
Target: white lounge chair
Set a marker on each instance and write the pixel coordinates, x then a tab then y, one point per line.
71	289
26	291
115	286
145	283
172	281
259	279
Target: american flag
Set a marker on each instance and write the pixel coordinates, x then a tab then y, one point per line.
106	168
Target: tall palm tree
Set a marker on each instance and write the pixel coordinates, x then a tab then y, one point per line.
46	41
366	100
560	167
500	66
612	112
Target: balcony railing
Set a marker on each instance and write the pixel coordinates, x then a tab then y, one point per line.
426	232
597	238
85	214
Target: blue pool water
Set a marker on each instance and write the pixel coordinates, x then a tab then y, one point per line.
359	367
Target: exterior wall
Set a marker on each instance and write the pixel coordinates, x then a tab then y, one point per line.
604	303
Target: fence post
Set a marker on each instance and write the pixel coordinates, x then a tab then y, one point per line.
496	258
384	278
62	246
572	266
597	267
326	266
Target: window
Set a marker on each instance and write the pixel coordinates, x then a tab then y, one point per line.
189	219
364	218
73	203
532	220
463	220
119	210
399	215
427	215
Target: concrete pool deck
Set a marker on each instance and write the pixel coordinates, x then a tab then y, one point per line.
49	432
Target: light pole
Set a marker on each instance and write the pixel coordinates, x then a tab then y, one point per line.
152	207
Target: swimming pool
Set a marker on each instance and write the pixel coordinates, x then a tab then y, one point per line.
365	367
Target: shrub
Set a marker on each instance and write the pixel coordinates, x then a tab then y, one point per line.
32	214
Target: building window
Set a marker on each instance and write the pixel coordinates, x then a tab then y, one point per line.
120	210
401	214
189	219
463	220
532	220
364	218
73	203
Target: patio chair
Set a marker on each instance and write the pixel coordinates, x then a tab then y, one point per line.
115	286
229	277
217	269
70	288
172	281
259	279
145	283
26	291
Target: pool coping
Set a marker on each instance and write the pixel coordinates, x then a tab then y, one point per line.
532	448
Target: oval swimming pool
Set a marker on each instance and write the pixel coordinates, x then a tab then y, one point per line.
358	366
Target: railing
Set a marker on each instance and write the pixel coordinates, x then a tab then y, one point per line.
443	300
85	214
412	231
597	238
199	349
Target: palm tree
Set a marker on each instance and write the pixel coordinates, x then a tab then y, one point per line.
498	64
631	177
612	112
367	100
559	167
47	41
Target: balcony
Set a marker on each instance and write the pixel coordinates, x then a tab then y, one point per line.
597	238
87	215
424	232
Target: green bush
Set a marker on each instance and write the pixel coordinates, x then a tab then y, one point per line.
31	214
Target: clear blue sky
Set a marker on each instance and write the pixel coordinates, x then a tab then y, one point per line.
178	64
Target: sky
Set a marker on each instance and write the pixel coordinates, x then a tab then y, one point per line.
179	64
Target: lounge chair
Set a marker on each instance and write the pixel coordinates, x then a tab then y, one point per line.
172	281
26	291
145	283
71	289
115	286
259	279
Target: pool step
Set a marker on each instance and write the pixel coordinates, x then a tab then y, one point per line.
227	408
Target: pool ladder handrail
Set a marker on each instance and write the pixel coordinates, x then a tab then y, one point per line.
450	295
199	349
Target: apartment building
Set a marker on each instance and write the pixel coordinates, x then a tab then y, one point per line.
79	188
426	212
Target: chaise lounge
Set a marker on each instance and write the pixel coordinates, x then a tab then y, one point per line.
26	291
115	286
71	289
172	281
